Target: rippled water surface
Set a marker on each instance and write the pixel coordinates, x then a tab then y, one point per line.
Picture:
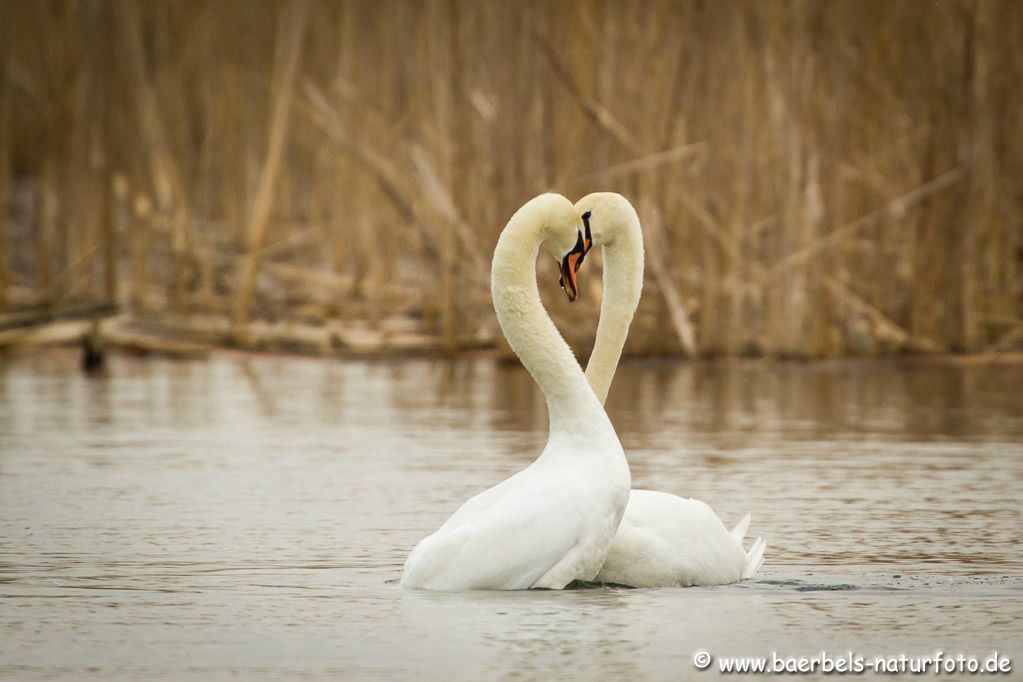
246	516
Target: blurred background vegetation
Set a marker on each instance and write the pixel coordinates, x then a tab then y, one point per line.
814	178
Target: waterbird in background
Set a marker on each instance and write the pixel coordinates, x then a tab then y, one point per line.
663	539
553	522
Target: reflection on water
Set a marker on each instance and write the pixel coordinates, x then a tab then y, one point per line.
243	516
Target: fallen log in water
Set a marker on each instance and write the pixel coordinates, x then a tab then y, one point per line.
62	333
194	336
44	315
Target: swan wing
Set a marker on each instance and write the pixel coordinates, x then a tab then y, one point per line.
669	540
505	540
754	558
741	528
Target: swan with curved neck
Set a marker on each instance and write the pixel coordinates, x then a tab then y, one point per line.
663	540
552	522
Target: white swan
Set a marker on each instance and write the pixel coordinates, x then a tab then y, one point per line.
663	540
552	522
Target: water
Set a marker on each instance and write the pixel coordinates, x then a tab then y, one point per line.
245	517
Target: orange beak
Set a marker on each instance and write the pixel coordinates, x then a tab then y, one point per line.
569	268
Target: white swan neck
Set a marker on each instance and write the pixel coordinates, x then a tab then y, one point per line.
529	329
623	286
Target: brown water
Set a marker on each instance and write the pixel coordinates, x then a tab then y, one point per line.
246	517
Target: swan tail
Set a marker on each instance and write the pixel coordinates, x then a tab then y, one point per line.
739	532
754	558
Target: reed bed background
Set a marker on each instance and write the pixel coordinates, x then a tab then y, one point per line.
814	178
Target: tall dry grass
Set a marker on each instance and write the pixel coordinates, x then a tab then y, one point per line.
816	178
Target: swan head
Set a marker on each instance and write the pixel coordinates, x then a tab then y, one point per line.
604	214
611	221
601	229
563	237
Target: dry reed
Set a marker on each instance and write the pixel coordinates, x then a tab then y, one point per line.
816	178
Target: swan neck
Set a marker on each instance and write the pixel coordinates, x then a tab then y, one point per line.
623	286
529	329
